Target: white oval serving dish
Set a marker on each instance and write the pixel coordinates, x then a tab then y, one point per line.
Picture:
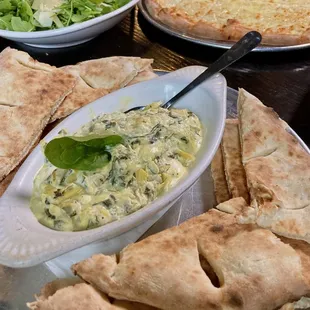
71	35
25	242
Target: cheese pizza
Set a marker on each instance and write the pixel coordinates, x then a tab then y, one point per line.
281	22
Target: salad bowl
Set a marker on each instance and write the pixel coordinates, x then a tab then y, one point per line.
70	35
25	242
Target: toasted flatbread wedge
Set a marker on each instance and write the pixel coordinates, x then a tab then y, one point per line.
303	250
52	287
239	206
251	268
4	184
145	75
234	171
78	297
219	178
74	294
99	77
277	170
112	73
81	95
30	92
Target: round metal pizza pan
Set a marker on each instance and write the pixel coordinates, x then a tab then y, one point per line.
212	43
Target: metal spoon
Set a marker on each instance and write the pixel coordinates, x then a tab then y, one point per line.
237	51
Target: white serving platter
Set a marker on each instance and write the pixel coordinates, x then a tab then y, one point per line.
18	286
25	242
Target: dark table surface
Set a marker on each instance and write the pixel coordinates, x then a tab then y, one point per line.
280	80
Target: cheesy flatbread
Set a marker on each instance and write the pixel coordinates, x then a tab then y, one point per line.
281	22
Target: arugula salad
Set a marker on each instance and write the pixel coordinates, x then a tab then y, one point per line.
35	15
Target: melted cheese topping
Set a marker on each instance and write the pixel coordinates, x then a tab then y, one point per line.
159	146
271	16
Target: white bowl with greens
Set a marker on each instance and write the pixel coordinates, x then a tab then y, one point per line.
34	231
59	23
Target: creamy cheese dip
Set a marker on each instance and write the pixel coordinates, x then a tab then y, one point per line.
159	146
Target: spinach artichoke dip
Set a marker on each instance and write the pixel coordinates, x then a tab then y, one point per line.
158	146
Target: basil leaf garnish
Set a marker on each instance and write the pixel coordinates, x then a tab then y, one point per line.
81	153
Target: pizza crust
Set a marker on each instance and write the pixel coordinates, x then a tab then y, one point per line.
190	18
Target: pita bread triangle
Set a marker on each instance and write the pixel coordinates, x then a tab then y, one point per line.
277	170
219	178
81	95
173	269
234	171
4	184
72	293
98	77
30	92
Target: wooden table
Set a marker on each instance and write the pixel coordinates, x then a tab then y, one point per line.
280	80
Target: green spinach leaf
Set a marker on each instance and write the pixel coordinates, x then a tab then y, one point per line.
81	153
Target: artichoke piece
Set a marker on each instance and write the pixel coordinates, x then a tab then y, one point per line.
141	176
57	196
100	198
164	186
146	153
48	190
60	218
71	178
185	158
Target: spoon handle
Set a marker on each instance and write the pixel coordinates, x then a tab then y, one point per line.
238	50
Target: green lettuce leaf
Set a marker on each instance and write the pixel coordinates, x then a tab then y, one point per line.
18	15
6	6
25	11
20	25
76	11
5	22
